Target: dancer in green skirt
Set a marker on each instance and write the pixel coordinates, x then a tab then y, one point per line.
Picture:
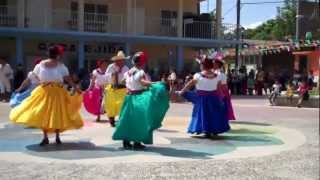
143	109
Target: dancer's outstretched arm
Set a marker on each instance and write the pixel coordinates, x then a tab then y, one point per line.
188	86
24	84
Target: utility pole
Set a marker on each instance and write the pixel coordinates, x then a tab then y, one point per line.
298	17
238	34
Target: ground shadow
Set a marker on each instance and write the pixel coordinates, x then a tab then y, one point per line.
241	140
167	130
180	153
88	150
247	131
250	123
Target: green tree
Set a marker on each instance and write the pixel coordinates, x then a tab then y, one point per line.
280	28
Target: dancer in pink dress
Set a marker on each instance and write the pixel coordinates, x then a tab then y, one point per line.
218	69
93	97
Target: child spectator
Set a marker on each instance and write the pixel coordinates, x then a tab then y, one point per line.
289	92
275	93
303	93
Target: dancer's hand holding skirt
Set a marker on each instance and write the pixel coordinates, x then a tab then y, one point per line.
17	98
51	108
141	114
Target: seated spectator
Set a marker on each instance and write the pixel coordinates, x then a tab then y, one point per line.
289	92
303	93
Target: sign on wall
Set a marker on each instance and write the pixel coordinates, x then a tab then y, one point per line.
88	48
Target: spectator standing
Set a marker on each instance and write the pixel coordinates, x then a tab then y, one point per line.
6	76
275	93
172	79
250	83
19	76
310	79
259	81
296	77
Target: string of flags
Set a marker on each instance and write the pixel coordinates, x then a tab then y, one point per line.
276	48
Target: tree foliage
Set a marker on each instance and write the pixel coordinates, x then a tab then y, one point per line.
279	28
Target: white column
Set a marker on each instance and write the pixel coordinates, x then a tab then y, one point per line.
129	16
47	12
219	18
135	22
80	15
180	19
21	13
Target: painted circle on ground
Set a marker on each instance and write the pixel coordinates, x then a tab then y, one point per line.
93	144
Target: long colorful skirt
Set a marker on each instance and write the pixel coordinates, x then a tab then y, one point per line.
49	107
228	105
141	114
113	100
17	98
209	113
92	101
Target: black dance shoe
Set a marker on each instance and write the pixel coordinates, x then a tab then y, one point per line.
138	146
112	122
44	142
126	145
58	141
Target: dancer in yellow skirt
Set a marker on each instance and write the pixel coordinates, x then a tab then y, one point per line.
50	107
116	91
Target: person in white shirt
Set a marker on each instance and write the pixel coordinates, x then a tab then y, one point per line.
143	109
209	115
172	79
50	107
6	76
116	90
93	97
275	93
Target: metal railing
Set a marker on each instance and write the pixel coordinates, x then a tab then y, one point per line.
198	29
161	27
63	19
92	22
208	30
8	16
110	23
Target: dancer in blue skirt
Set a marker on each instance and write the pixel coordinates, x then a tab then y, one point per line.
209	115
25	88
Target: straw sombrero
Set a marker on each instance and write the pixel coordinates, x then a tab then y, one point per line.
120	56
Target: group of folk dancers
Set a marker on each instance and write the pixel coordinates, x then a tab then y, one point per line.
43	102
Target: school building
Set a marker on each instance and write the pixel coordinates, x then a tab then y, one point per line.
170	31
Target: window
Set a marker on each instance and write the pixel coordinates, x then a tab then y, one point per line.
168	17
96	12
74	6
3	3
89	8
95	8
3	7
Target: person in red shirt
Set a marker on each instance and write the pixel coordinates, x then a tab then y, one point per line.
303	93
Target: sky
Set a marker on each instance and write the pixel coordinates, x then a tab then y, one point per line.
251	15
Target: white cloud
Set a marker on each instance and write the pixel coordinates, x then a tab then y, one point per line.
253	25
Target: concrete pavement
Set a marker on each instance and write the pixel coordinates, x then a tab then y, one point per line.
264	143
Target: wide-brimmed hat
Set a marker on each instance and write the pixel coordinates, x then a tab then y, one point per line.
120	56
